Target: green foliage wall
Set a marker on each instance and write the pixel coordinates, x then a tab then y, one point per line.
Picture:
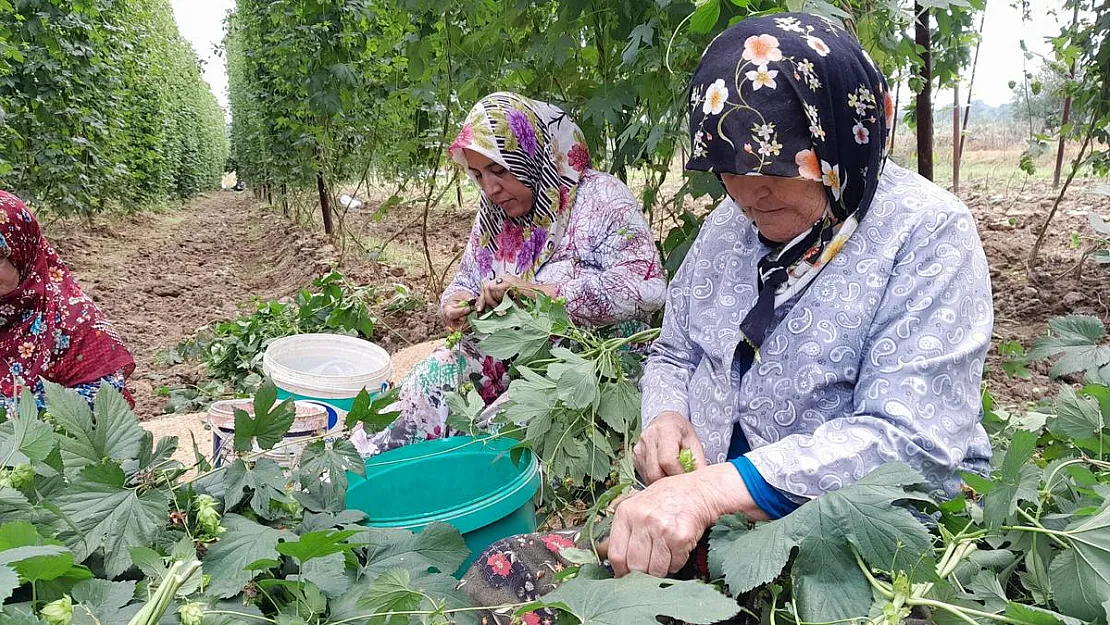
102	105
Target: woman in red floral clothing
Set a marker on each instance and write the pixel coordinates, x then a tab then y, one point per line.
49	329
546	223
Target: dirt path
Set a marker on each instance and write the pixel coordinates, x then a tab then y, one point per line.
160	277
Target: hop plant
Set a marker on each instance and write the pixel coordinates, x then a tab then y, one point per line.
686	459
191	613
208	517
59	612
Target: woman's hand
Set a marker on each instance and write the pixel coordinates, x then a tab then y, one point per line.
455	310
494	291
656	455
655	530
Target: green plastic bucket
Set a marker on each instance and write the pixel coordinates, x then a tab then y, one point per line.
472	484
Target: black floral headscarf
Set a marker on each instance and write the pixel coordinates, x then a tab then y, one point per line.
794	96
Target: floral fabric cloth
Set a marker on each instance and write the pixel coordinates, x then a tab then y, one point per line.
792	96
880	359
49	328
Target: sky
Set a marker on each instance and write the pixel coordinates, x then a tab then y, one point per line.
202	23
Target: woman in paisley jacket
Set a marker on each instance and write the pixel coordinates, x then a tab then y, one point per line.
547	223
833	314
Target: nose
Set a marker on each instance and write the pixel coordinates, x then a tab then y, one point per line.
490	186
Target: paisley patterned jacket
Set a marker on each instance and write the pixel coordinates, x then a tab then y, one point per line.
881	358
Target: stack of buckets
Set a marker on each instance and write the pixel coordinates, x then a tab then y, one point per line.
472	484
323	373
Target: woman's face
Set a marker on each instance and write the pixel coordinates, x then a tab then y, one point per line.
499	184
782	208
9	277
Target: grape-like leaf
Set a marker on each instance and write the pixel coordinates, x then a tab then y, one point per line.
24	439
264	482
1075	339
331	461
827	532
1077	417
1015	481
638	599
270	423
40	568
319	544
113	433
438	546
110	516
1081	575
373	414
103	599
244	543
9	581
1032	615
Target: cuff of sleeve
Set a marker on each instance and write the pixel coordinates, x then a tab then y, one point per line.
767	497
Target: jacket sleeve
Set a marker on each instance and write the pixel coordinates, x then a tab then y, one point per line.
917	394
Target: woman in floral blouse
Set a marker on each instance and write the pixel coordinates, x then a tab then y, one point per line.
833	314
546	223
49	329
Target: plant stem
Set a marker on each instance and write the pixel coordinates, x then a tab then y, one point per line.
1037	524
365	617
1038	530
884	589
239	614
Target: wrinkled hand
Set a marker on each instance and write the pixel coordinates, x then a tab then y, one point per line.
494	291
655	530
455	311
656	455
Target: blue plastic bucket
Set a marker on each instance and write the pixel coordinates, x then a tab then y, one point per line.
329	369
472	484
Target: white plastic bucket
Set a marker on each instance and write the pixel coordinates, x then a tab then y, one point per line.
329	369
311	421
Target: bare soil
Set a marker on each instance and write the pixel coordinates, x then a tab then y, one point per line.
161	276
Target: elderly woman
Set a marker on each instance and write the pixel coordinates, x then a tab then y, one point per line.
833	314
546	223
49	329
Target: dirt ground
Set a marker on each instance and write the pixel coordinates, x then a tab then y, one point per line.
161	276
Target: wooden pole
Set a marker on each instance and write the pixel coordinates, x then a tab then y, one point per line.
325	203
971	83
925	98
1067	113
956	136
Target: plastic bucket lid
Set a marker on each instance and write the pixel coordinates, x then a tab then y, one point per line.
469	483
326	366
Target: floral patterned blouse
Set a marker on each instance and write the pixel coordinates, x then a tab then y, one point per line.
606	264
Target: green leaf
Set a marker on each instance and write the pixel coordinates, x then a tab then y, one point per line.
1034	615
149	561
328	573
331	461
1081	575
437	547
637	599
577	384
391	592
705	16
1017	480
1075	340
24	440
24	534
828	584
318	545
268	427
620	405
113	433
373	414
264	483
1077	417
103	599
110	516
244	543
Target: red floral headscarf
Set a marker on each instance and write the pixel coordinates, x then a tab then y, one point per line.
48	327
